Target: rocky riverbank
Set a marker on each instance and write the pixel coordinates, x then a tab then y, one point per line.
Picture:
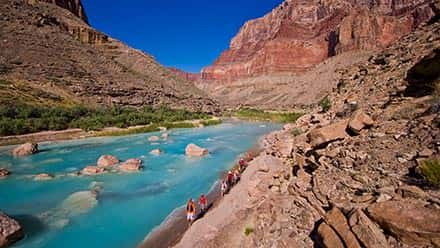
349	177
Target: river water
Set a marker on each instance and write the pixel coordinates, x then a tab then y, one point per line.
128	206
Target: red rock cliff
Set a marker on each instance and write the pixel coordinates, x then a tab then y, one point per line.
299	34
192	77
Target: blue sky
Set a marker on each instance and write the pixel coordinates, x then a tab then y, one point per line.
187	34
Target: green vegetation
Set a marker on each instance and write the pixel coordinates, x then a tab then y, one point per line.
430	170
325	104
255	114
156	127
211	122
22	119
296	132
248	231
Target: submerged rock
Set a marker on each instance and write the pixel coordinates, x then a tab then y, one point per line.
43	177
75	204
156	152
193	150
153	138
25	149
10	230
107	161
131	165
92	170
4	173
79	203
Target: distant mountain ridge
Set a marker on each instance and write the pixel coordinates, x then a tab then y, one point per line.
50	55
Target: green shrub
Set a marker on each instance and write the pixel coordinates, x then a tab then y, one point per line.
211	122
22	119
248	231
256	114
430	169
325	104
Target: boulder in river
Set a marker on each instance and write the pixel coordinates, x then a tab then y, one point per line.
43	177
75	204
79	203
92	170
193	150
4	173
156	152
131	165
10	230
153	138
107	161
25	149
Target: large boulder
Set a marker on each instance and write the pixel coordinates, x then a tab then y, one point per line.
193	150
92	170
367	232
10	230
131	165
409	221
336	219
320	137
107	161
328	237
359	121
25	149
4	173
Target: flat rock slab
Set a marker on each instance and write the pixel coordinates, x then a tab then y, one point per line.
408	220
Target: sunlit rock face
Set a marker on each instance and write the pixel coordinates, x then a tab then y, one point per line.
298	35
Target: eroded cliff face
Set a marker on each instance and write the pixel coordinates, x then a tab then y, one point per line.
74	6
298	35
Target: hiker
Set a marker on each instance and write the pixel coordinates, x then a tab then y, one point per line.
230	179
224	188
236	176
242	164
190	211
203	202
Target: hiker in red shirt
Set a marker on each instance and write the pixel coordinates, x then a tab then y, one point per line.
203	202
230	179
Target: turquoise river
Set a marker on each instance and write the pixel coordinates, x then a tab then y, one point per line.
128	206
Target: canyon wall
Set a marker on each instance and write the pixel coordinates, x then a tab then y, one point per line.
299	34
